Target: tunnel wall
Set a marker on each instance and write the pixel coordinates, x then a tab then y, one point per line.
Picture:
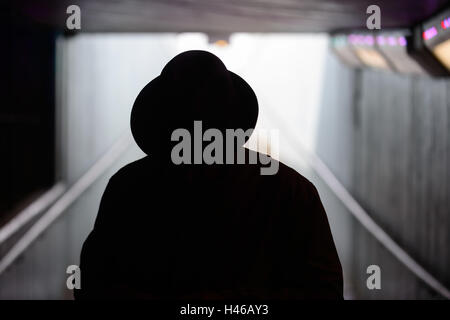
26	112
386	137
97	85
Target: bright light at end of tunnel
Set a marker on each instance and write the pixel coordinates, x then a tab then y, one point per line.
200	41
192	41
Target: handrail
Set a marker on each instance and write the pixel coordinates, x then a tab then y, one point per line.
31	211
317	165
361	215
75	191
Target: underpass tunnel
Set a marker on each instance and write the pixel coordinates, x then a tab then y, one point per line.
363	114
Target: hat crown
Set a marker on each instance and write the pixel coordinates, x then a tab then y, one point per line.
199	87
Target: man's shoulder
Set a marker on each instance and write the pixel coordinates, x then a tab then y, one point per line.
286	180
288	172
282	171
132	170
292	179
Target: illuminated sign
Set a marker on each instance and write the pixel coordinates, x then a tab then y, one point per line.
343	50
381	50
445	23
430	33
436	35
385	50
372	58
393	46
364	45
383	40
402	41
442	52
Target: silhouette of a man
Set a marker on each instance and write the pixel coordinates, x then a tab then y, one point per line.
211	231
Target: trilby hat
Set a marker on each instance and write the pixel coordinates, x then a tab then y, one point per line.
193	86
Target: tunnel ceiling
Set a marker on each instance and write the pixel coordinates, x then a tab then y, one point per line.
228	15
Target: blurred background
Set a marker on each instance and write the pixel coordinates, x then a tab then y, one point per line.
364	114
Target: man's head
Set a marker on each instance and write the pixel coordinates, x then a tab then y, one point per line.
193	86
